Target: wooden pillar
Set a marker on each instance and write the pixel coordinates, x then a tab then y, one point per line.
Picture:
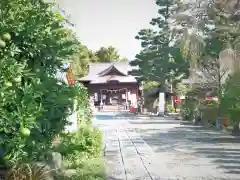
126	94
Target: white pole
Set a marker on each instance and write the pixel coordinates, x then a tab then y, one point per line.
101	103
161	104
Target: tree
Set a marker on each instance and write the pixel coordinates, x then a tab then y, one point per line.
84	56
80	61
230	100
92	56
34	105
216	35
217	39
160	60
213	19
109	54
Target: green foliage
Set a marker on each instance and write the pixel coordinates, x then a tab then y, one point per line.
187	109
211	104
82	152
182	89
109	54
31	96
80	62
230	103
93	169
81	104
148	85
160	60
81	97
86	143
216	31
169	108
84	56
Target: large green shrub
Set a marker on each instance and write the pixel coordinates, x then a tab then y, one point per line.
84	144
169	108
33	46
187	108
230	103
84	112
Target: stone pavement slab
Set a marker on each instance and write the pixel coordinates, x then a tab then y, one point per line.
142	150
133	164
112	152
189	152
130	158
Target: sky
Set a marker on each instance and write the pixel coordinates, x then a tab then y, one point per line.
110	22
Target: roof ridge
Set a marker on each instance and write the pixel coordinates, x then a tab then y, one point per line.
109	69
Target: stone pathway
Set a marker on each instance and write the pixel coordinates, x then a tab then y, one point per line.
124	155
129	157
140	150
191	152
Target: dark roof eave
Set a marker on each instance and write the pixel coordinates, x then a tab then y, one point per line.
106	71
84	80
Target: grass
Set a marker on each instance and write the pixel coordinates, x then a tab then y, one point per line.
93	170
82	154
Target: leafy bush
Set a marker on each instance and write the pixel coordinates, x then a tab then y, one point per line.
230	103
34	105
169	108
187	108
82	153
93	169
148	85
86	143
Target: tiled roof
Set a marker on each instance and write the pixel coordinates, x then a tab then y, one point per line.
109	69
96	68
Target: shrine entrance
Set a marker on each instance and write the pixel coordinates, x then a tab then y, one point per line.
111	99
110	86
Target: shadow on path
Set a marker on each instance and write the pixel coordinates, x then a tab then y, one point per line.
220	149
114	116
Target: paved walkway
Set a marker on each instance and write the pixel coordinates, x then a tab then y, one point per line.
143	149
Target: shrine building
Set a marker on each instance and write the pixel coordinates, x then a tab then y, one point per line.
109	84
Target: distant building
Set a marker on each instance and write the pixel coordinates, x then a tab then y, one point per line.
110	85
